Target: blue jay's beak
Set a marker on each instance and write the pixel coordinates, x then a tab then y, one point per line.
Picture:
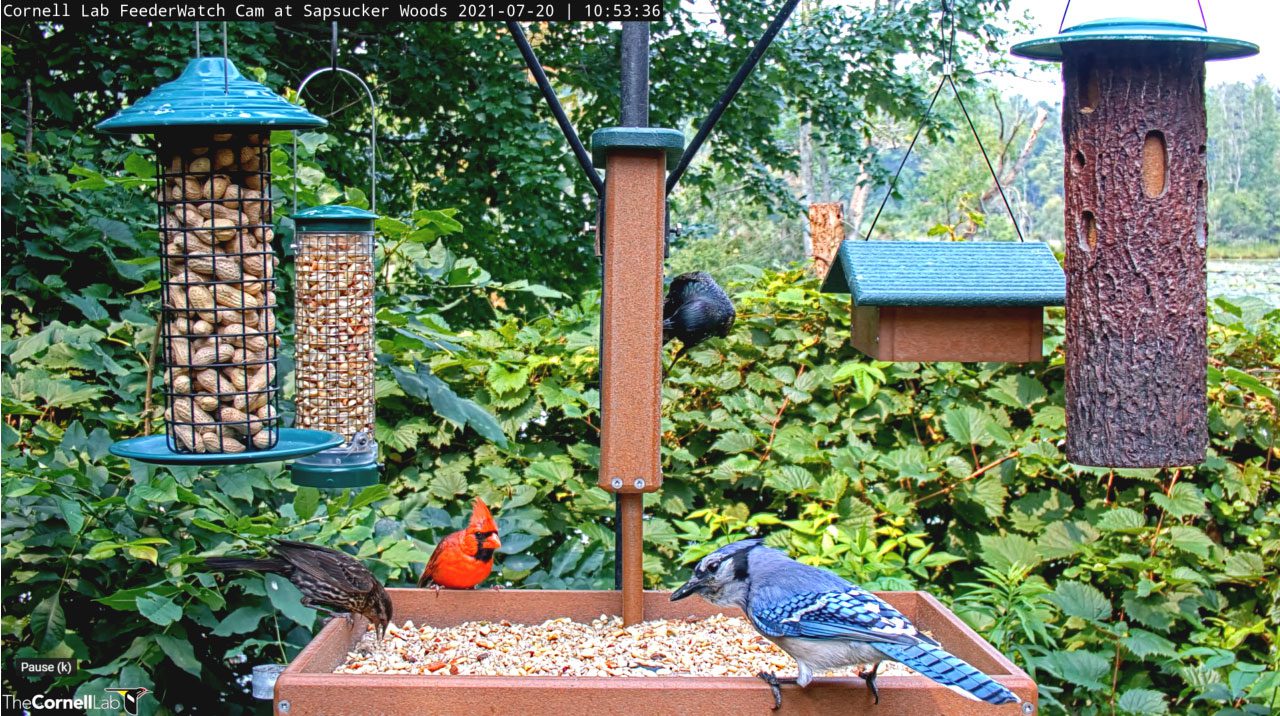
689	587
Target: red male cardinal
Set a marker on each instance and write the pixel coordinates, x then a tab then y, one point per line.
464	559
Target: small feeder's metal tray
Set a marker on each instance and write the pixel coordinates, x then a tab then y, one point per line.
293	442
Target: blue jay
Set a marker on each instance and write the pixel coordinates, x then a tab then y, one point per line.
824	622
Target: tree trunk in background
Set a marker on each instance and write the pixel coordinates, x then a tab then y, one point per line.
805	143
826	227
858	201
1134	127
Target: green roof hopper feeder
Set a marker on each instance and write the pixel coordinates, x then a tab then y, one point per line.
946	300
218	325
1136	228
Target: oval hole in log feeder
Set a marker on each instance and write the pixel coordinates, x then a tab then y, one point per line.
1090	93
1087	231
1155	164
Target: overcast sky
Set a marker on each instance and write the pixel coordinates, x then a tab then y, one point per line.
1255	20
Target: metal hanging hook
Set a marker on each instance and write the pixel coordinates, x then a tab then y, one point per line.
373	135
333	47
197	39
226	64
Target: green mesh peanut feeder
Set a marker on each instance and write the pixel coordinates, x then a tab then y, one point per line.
214	213
334	351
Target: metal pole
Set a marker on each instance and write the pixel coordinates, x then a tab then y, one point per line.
629	507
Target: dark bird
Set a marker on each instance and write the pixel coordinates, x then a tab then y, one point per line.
824	622
696	308
330	580
464	559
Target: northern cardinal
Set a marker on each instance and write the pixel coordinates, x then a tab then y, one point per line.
464	559
695	309
329	580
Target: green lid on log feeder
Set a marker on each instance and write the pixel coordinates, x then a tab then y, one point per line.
1127	29
334	218
211	92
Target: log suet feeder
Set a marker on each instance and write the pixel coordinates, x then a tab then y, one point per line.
948	301
334	353
218	326
1133	125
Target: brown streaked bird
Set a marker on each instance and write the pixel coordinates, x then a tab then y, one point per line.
330	580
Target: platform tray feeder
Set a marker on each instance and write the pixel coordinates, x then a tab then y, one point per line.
948	301
1136	228
309	686
214	213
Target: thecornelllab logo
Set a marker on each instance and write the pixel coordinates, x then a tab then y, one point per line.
131	697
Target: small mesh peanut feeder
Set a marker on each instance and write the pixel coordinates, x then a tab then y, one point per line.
334	342
214	208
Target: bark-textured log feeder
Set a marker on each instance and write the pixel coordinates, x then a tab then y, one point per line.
309	686
948	301
218	326
1133	125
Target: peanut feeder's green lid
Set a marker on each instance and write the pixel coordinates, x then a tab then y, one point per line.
1128	29
334	218
211	92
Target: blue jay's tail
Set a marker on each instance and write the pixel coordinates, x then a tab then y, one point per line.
950	671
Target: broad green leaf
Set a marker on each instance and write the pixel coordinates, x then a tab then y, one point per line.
1190	539
968	426
734	442
160	610
1144	644
241	621
48	623
1121	519
1082	668
180	653
286	597
305	502
1142	702
1077	599
1004	551
1184	500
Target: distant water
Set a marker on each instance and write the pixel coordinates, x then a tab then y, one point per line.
1236	278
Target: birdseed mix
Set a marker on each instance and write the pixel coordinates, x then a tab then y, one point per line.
715	646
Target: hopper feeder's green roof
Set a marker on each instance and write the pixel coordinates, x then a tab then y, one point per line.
210	93
947	273
1125	29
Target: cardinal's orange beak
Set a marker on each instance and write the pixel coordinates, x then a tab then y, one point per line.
493	542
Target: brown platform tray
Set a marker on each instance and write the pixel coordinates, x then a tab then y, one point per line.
310	688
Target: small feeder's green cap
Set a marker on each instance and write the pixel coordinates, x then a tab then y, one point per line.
1126	29
333	218
610	139
210	93
334	476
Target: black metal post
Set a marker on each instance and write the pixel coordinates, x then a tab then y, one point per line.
635	113
722	104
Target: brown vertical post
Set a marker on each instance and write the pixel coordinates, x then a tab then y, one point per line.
826	229
631	403
634	229
1133	123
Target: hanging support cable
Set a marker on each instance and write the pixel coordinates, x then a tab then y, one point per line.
549	94
748	66
948	25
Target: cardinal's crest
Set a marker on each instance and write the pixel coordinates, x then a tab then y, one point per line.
130	697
